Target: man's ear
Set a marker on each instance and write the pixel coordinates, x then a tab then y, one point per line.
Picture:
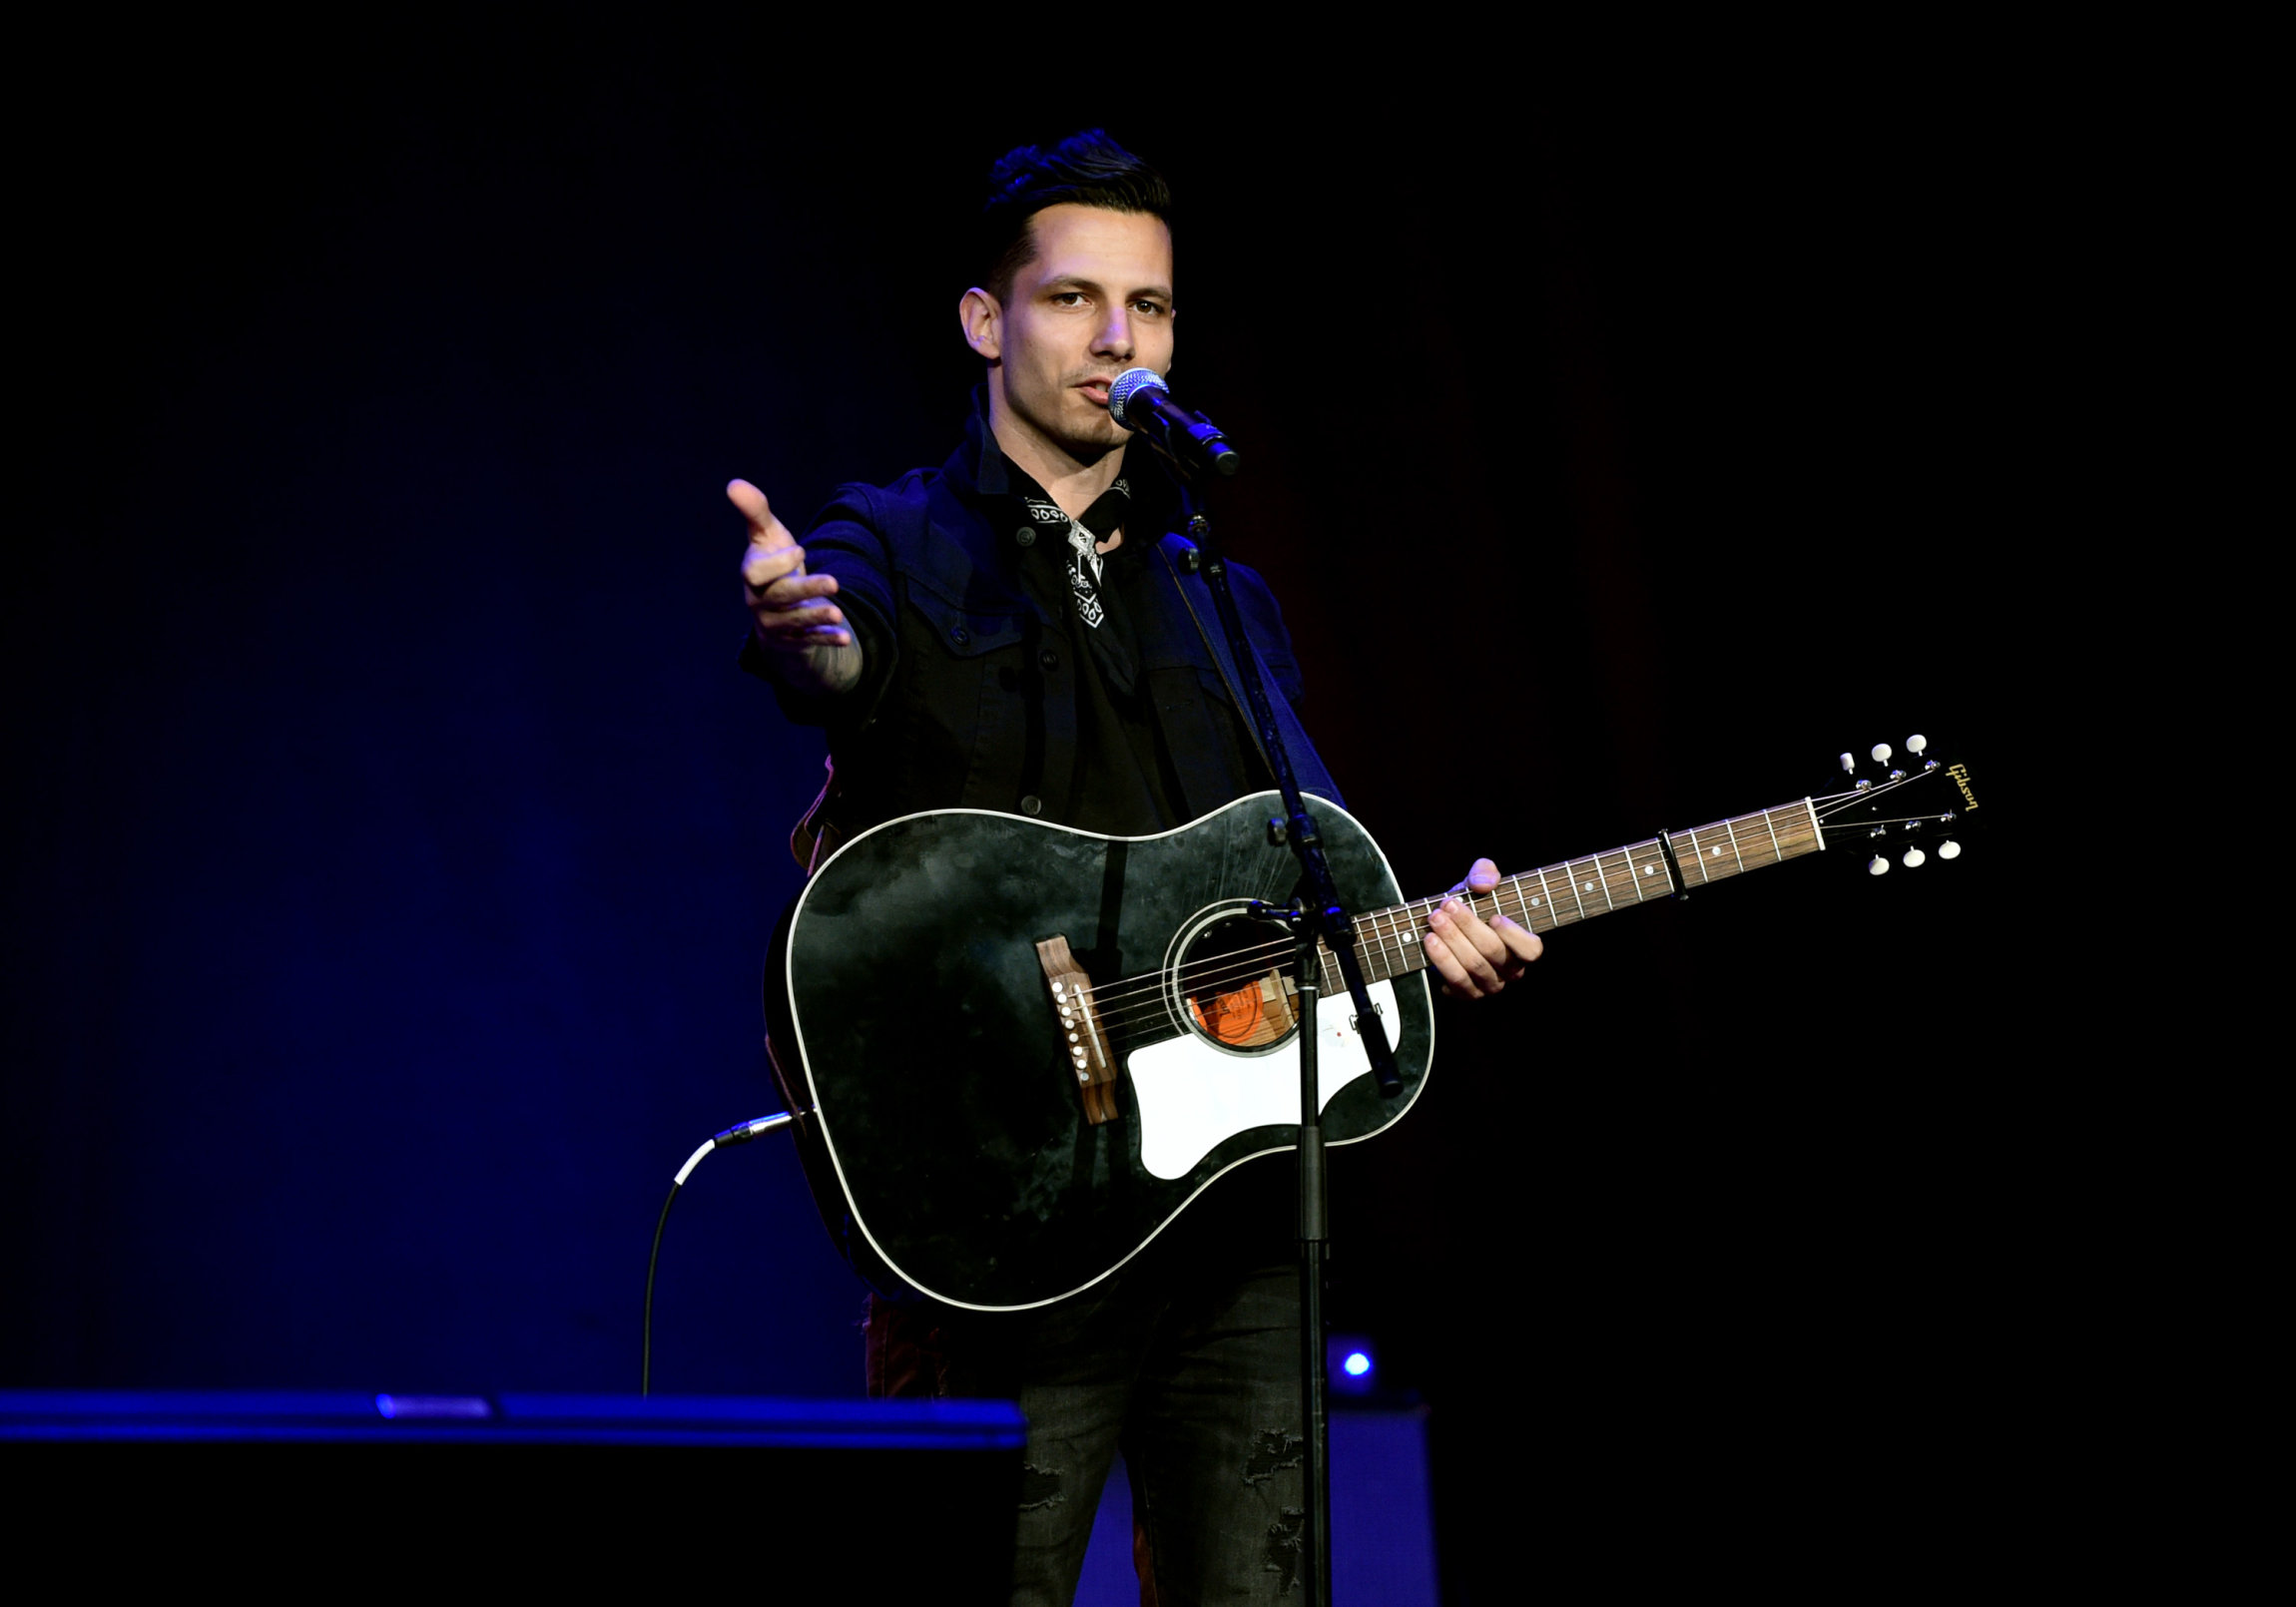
983	323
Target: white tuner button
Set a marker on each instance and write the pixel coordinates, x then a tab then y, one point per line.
1881	752
1914	856
1878	866
1848	763
1916	745
1949	849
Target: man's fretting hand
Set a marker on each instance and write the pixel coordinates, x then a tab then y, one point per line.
1474	958
806	637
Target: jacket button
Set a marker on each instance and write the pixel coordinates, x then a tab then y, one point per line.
1025	536
959	635
1032	804
1050	659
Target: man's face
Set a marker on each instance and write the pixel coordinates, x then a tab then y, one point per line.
1094	300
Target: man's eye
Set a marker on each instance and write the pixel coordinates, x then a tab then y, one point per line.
1067	298
1153	309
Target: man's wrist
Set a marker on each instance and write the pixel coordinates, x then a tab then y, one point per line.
823	669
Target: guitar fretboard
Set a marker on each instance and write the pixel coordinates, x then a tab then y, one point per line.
1392	941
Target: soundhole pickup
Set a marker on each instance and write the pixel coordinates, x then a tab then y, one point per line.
1249	1017
1082	1034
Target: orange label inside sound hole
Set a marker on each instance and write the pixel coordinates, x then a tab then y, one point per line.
1258	1013
1231	1017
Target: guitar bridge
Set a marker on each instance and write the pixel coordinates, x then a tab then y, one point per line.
1080	1029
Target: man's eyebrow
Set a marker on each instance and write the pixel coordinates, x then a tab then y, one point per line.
1077	282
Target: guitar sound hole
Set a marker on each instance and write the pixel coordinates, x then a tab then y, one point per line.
1235	983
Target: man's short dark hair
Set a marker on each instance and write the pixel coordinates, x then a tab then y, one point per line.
1084	170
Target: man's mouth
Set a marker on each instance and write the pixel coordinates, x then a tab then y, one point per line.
1097	389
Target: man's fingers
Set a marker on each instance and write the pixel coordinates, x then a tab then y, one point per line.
1472	946
750	500
1473	934
762	565
792	623
1457	979
790	590
766	532
782	572
1477	957
1523	944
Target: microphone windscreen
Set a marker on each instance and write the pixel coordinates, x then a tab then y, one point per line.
1128	384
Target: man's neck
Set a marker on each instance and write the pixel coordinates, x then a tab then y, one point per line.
1071	485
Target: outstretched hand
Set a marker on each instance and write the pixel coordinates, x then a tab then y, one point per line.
1474	957
807	639
787	605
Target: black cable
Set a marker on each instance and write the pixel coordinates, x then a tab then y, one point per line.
740	1134
653	1260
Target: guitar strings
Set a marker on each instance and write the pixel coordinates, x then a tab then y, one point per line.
1835	803
1125	1004
1128	1000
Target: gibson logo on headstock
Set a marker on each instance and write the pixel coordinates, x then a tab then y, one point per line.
1961	775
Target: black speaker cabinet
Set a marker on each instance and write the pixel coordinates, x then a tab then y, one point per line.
804	1500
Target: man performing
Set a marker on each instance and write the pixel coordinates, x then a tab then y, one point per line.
1002	634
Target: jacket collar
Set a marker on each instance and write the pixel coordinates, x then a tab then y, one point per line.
981	473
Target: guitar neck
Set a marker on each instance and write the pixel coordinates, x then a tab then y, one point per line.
1392	941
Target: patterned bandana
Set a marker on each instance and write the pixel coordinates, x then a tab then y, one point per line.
1100	520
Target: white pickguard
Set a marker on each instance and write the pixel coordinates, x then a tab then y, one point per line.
1188	1096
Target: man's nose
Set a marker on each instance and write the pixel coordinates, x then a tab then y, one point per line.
1116	334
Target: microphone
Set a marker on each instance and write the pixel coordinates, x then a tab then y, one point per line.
1139	401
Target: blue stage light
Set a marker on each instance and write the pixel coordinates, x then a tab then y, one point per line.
1351	1364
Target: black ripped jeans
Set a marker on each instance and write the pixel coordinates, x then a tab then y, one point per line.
1194	1378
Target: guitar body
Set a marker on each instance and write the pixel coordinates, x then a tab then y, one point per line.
941	1117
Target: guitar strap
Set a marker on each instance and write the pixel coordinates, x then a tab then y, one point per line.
1182	560
809	837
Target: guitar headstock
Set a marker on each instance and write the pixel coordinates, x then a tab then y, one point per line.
1903	808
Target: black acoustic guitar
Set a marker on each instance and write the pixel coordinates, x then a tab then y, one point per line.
1016	1051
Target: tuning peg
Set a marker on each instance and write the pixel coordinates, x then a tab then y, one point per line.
1881	752
1949	849
1849	764
1914	856
1916	745
1877	866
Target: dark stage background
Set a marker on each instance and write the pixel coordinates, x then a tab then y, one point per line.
394	846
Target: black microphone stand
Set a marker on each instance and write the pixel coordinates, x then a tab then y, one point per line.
1316	920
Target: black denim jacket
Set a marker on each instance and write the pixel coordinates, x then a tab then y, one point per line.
968	695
